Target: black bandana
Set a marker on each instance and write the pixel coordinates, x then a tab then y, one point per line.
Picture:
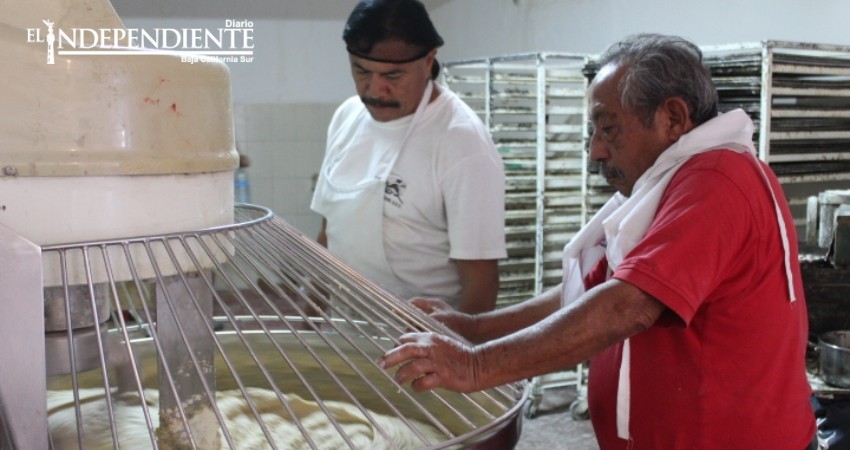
374	21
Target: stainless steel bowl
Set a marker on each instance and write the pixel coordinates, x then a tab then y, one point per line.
333	367
834	357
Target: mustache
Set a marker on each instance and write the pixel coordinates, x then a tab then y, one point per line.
380	103
607	172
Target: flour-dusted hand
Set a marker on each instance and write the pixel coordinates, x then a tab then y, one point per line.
431	361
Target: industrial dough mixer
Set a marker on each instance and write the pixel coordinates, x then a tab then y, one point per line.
254	310
141	309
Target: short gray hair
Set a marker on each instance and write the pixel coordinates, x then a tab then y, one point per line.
660	67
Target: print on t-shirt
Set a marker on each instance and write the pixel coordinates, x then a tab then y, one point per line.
393	191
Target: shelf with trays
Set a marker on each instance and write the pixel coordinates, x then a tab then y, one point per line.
798	95
535	108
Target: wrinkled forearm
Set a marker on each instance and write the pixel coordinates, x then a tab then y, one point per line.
602	317
502	322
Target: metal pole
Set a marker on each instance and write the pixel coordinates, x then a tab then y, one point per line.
540	203
765	101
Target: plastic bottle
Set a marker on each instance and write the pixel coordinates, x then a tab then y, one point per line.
242	186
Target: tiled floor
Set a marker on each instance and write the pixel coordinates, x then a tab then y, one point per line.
553	427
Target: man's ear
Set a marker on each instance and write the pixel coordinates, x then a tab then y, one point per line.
678	118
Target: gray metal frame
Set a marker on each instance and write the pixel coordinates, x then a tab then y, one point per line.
799	98
775	74
537	85
563	188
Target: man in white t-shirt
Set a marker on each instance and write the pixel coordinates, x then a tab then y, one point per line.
411	189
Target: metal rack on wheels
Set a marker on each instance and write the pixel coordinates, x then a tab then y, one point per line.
535	107
798	95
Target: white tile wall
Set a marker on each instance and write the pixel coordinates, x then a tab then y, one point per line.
285	143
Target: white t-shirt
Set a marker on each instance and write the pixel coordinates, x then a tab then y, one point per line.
444	198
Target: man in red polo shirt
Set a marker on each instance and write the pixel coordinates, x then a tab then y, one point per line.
684	290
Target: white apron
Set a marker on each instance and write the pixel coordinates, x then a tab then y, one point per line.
342	202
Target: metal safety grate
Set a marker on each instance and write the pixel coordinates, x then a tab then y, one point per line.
242	336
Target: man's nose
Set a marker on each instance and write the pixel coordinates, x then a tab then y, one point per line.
597	151
376	86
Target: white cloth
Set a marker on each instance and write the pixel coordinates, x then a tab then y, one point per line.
444	197
622	222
